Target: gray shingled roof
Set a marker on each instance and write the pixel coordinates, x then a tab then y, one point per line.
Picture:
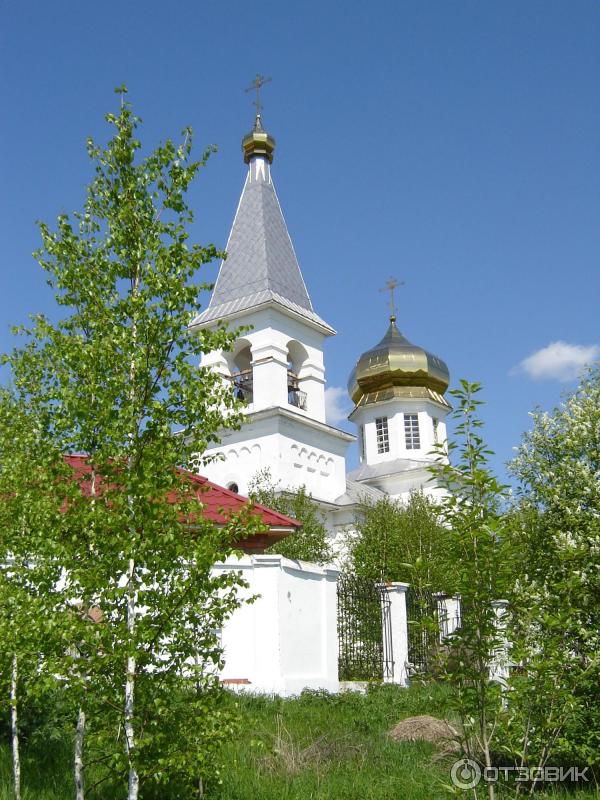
261	265
359	492
367	471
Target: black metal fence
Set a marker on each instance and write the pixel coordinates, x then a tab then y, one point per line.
422	615
431	621
364	630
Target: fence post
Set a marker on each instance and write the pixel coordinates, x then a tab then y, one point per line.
499	665
448	614
397	629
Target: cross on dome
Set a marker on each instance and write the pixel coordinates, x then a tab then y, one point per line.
392	284
256	85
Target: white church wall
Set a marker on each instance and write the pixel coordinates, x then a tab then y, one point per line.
238	464
286	640
402	487
295	453
320	470
340	525
394	411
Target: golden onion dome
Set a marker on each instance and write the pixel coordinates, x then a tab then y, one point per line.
397	368
258	143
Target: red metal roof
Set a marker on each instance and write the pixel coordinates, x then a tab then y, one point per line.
219	504
217	499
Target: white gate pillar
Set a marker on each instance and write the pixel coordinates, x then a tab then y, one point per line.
397	631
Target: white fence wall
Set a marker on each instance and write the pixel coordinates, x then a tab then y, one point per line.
286	640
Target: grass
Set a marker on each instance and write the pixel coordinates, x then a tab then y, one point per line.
314	747
333	746
46	773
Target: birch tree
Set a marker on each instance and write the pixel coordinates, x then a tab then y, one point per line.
117	380
22	620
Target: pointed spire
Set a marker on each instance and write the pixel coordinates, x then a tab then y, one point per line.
261	266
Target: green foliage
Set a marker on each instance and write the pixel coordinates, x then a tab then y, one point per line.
117	378
471	510
310	542
402	542
554	533
316	745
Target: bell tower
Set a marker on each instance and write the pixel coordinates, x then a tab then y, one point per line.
277	366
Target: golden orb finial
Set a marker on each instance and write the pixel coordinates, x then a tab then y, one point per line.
258	142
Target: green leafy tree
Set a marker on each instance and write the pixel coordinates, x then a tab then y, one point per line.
554	534
471	510
310	543
25	632
117	379
406	542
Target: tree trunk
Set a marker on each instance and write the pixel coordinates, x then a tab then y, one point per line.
483	668
80	728
491	789
78	761
14	727
134	781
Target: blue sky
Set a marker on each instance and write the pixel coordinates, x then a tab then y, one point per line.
451	144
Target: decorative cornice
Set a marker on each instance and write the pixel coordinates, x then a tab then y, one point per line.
404	393
322	427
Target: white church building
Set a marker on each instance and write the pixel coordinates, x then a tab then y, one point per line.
277	368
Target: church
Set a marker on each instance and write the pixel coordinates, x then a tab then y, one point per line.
277	368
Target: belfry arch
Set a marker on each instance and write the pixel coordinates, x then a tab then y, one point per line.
239	363
297	359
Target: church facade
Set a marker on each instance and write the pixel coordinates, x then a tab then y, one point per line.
277	368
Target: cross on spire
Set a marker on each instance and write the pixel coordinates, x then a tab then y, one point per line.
256	85
390	286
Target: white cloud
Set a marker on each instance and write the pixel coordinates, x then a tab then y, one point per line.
558	361
337	405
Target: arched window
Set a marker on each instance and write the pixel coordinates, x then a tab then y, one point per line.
233	487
